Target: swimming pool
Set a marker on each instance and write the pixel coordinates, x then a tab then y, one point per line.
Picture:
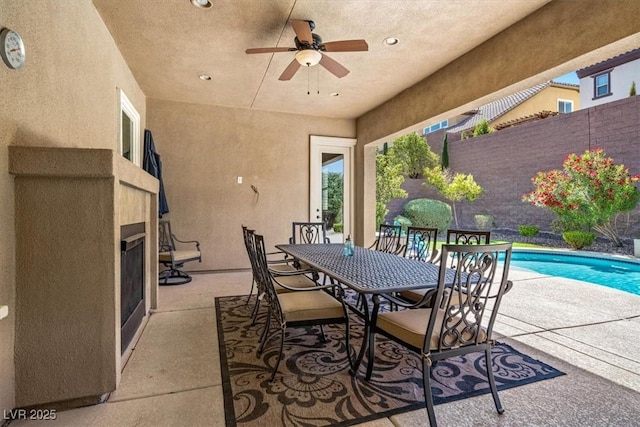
612	272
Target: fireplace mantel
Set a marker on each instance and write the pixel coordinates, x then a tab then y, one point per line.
69	206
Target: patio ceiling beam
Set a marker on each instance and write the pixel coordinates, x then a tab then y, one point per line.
556	34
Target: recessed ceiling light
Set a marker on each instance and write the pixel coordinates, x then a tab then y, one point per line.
390	41
334	94
204	4
204	77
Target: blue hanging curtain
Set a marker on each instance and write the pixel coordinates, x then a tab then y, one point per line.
152	164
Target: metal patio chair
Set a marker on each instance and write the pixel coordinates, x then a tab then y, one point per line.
389	239
291	277
466	304
173	254
297	307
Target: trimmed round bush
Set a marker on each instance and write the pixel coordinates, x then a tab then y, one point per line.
337	228
428	213
578	239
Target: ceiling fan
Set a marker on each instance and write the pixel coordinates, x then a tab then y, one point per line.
310	50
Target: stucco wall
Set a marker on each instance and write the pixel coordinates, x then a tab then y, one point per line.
205	148
65	96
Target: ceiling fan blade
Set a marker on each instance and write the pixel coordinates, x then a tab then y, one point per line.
346	46
290	71
333	66
269	49
303	30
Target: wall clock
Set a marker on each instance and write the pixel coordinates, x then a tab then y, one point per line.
12	49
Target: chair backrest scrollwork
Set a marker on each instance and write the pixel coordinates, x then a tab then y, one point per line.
421	244
467	305
265	278
309	232
467	237
389	239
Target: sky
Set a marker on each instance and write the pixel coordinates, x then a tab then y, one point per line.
333	167
571	77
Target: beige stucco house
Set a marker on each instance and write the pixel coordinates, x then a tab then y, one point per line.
540	101
66	191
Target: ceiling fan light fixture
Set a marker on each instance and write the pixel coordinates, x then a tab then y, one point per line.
204	4
308	57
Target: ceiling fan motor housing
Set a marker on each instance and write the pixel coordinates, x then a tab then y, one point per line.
317	41
310	50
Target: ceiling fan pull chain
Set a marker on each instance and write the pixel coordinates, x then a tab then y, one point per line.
318	82
308	84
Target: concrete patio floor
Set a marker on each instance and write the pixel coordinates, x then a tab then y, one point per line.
587	331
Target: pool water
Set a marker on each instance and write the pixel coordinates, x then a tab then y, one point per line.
610	272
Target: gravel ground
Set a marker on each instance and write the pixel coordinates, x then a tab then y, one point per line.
601	244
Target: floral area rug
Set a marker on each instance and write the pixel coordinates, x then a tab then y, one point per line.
313	386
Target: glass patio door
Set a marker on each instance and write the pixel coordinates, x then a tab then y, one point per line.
331	198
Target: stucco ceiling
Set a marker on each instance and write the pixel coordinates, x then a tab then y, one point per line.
169	43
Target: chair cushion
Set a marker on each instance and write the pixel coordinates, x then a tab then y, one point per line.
179	256
298	281
410	326
309	305
304	266
407	325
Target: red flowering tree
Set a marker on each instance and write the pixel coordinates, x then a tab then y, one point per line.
587	194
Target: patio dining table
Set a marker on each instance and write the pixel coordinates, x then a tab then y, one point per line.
367	272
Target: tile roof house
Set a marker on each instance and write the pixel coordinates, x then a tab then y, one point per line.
609	80
540	101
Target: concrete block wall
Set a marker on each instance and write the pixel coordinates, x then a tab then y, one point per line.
504	162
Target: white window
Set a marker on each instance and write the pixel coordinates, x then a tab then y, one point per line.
441	125
602	85
129	130
565	106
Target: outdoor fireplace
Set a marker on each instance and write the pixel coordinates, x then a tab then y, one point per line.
73	270
132	304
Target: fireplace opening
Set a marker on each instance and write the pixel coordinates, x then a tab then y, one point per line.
132	295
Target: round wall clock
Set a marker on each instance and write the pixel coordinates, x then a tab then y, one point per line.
12	48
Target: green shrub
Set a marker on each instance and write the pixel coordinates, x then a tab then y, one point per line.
338	228
578	239
428	213
483	222
403	221
528	230
482	128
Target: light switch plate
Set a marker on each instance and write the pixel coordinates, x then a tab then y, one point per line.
239	180
4	311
